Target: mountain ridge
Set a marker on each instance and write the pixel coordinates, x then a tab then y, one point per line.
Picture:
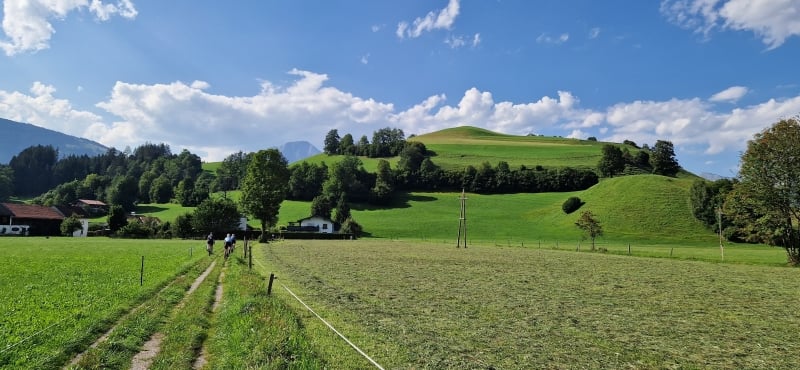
24	135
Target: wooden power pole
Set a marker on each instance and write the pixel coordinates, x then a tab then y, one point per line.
462	221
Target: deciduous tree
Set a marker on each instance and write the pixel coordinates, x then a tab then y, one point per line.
265	187
663	159
590	225
770	185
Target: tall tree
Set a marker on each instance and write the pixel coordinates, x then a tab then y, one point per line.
770	185
215	215
123	192
663	159
612	161
116	218
381	193
590	225
347	145
232	170
265	187
33	169
331	142
342	210
6	182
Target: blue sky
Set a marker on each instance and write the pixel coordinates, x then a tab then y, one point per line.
218	77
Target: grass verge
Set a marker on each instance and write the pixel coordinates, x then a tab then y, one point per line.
253	330
187	326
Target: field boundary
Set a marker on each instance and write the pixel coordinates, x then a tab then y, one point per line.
334	329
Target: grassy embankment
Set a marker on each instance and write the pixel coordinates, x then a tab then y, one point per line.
421	305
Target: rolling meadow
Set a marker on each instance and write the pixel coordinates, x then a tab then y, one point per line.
658	291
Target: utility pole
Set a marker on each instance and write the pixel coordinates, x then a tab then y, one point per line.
719	222
462	221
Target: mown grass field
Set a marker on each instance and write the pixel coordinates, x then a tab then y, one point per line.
457	147
57	293
424	305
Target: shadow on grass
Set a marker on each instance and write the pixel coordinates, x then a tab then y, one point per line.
400	200
149	209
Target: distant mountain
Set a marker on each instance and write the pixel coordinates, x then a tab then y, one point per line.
711	176
297	150
18	136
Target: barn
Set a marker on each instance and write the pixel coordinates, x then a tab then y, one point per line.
43	221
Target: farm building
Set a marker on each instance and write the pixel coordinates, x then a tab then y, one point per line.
43	221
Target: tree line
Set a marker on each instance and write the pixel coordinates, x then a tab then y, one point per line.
761	205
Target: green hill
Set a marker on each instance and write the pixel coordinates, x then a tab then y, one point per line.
647	209
455	148
460	146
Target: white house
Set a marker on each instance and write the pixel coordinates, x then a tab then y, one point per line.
322	225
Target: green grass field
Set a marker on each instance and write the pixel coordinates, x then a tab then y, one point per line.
57	292
424	305
457	147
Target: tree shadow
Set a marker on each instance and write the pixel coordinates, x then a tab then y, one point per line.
149	209
399	200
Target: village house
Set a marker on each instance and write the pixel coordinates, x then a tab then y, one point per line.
314	224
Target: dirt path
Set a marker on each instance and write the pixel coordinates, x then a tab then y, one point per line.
105	336
201	361
144	358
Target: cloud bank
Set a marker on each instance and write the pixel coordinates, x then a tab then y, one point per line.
189	115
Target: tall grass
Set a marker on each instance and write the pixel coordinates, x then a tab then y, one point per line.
254	330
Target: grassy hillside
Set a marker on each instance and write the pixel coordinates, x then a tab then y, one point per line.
460	146
632	209
455	148
646	208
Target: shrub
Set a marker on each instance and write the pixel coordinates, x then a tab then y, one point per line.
572	204
135	230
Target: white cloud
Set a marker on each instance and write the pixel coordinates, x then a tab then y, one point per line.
443	19
365	59
773	21
455	42
41	108
547	39
189	115
594	33
376	27
27	26
731	94
577	134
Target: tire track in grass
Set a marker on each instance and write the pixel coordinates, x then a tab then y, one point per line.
201	360
107	334
143	359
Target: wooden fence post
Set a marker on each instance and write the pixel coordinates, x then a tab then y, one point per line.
141	273
269	287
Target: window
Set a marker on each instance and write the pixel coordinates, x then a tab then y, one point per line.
324	226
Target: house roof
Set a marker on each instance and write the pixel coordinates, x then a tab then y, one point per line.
92	202
67	211
31	211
